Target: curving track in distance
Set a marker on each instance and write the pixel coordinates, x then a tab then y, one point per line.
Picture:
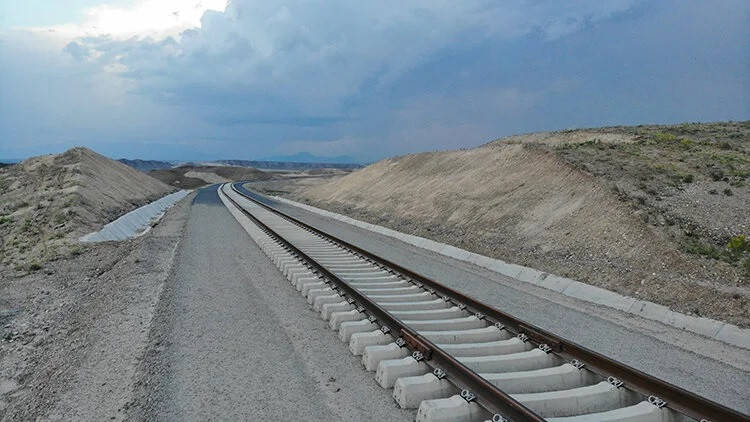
448	355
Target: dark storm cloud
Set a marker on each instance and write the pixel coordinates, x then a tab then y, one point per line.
386	77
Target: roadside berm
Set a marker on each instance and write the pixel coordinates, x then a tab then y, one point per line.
652	212
48	202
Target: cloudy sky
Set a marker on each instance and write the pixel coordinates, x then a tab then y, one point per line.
206	79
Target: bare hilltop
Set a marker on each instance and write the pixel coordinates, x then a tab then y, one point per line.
654	212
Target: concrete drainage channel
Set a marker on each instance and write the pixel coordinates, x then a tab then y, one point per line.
137	222
449	356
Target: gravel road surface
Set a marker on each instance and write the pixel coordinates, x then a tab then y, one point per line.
233	340
707	367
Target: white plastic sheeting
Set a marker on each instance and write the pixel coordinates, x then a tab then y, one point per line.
136	222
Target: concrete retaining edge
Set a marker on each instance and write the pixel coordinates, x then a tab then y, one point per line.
717	330
137	222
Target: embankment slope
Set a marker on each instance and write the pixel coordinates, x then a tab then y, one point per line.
529	200
47	201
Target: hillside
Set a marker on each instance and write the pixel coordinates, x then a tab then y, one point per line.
645	211
189	177
146	165
46	202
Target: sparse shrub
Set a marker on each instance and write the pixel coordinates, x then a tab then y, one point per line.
59	218
713	192
696	247
662	137
737	247
716	174
34	266
659	168
688	178
746	265
5	220
18	205
728	192
738	244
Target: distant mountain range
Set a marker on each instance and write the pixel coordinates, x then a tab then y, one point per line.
299	161
306	157
288	165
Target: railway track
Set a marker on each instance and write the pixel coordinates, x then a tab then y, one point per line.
451	356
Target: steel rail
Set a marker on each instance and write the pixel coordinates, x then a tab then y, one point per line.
487	395
674	397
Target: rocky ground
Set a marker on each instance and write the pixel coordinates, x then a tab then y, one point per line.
74	334
690	181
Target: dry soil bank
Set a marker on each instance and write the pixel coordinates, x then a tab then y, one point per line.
49	201
644	211
74	334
